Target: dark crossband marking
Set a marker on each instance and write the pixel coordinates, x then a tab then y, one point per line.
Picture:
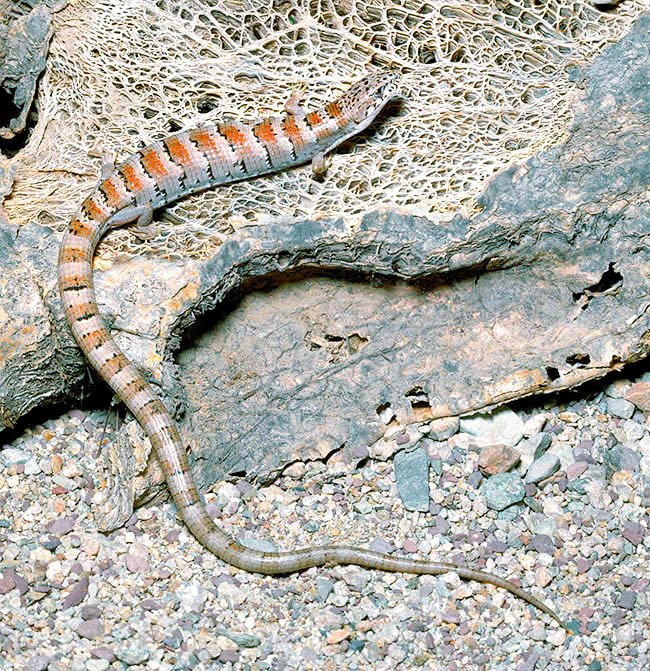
82	312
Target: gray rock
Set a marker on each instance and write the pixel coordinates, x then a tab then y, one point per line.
241	639
12	455
543	543
96	665
633	430
542	468
412	477
626	599
619	407
540	443
441	429
622	458
192	597
503	490
541	524
133	655
91	628
37	663
504	427
324	588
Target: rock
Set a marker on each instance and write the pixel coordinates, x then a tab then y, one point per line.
133	655
543	543
576	469
639	395
12	455
90	629
498	459
502	427
443	428
542	468
503	490
626	599
617	388
535	423
622	458
619	407
412	477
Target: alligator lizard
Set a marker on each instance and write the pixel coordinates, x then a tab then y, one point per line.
160	173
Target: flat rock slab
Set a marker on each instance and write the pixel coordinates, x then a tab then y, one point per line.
300	338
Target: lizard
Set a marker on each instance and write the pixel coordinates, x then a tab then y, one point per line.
160	173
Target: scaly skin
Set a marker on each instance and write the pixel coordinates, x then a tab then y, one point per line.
185	163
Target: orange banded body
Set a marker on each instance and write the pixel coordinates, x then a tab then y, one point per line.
158	174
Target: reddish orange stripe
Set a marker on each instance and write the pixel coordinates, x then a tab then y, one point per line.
333	109
178	151
264	132
153	165
113	196
236	138
74	282
80	228
93	209
96	338
203	138
133	182
293	132
314	119
113	366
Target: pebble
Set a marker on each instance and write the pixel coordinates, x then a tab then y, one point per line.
97	665
576	469
626	600
542	468
535	424
441	429
412	477
503	427
639	395
619	407
582	547
497	459
617	388
503	490
132	656
542	543
622	458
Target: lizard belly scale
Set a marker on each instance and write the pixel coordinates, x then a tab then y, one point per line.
160	173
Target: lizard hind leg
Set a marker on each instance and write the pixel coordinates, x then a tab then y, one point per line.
141	214
293	106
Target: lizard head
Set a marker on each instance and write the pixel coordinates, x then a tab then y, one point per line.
364	100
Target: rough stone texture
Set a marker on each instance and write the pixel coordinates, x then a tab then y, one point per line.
546	288
498	459
24	43
542	468
412	477
503	490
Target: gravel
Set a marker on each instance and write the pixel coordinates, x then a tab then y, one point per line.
148	596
